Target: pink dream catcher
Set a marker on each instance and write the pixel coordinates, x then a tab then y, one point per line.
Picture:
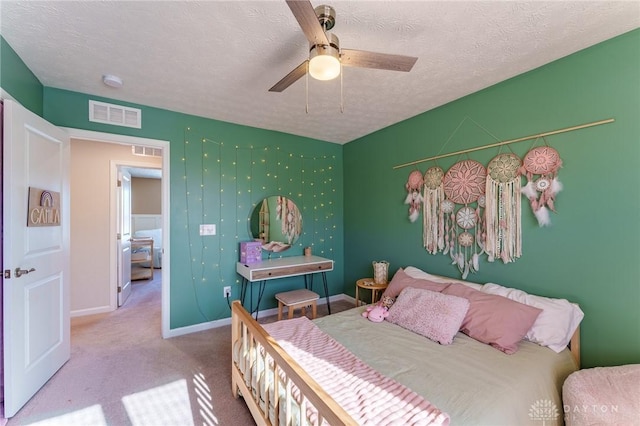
544	162
464	183
433	216
503	211
414	194
291	224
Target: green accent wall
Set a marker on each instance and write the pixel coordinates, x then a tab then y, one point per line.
591	252
17	79
219	172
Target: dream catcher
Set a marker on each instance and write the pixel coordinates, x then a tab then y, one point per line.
464	183
291	223
433	216
503	211
280	205
414	195
543	162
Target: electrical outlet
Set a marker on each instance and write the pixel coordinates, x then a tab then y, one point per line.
227	291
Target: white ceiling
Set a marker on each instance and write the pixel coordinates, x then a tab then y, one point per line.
217	59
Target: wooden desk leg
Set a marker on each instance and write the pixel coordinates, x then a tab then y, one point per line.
279	310
357	299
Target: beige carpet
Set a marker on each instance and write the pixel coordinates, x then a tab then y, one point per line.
122	372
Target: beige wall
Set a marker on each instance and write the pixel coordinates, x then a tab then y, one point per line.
146	196
90	220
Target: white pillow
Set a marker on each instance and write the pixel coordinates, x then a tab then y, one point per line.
414	272
555	325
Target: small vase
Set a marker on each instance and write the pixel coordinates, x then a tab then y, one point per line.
380	272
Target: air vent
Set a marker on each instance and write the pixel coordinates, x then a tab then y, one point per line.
116	115
146	151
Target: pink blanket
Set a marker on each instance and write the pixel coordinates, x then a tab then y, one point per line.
368	396
603	396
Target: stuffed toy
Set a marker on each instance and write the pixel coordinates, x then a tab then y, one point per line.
376	313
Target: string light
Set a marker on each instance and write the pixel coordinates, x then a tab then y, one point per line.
252	172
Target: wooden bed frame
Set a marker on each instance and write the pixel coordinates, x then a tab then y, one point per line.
247	329
244	327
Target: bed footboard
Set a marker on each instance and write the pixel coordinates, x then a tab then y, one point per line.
269	379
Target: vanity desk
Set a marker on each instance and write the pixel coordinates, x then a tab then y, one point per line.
292	266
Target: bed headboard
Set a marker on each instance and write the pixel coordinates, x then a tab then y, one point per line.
145	221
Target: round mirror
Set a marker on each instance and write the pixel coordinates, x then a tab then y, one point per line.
276	222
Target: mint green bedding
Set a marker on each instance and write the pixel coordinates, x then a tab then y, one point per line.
472	382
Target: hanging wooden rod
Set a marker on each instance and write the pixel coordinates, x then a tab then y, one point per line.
539	135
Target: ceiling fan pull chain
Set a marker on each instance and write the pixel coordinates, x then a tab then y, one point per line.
306	90
341	91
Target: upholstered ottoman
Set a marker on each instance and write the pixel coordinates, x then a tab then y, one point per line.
602	396
297	299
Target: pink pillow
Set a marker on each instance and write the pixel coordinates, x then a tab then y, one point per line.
556	324
401	280
493	319
431	314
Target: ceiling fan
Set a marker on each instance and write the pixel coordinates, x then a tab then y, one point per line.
325	55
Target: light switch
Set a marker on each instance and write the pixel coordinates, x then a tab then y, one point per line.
208	229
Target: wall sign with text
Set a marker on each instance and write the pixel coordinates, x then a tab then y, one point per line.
44	208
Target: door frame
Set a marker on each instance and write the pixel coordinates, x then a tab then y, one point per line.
166	259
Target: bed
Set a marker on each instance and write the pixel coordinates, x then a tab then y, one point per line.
149	226
156	236
343	369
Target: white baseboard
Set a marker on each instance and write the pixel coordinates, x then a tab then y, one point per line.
227	321
90	311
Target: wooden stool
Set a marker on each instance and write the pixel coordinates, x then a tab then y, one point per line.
297	299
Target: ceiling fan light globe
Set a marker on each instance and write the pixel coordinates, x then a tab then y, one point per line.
324	67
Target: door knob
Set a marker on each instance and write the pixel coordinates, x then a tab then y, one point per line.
20	272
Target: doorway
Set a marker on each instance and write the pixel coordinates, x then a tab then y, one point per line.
140	229
88	300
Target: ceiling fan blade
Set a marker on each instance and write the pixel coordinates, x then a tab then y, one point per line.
308	21
290	78
382	61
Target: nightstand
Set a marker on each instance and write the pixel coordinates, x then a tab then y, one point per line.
376	289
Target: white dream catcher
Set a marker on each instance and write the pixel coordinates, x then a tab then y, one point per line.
414	194
464	183
543	162
433	215
291	223
503	211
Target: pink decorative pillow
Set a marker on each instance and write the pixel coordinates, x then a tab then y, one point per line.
431	314
493	319
401	280
555	325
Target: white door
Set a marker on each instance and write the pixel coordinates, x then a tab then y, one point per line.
36	303
124	236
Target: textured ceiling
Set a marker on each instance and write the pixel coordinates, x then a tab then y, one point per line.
218	59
